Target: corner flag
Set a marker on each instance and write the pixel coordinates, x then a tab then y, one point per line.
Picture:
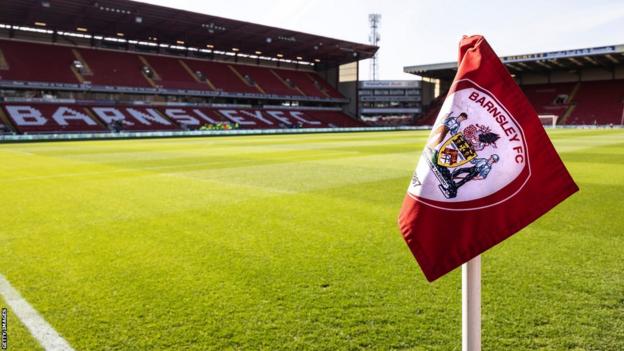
487	170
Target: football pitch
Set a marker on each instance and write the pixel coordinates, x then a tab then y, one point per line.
290	242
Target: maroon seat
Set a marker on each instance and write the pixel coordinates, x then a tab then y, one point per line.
37	62
267	80
114	68
173	75
221	76
600	102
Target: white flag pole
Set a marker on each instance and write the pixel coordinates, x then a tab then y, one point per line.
471	305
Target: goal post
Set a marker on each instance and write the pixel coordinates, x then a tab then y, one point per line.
549	120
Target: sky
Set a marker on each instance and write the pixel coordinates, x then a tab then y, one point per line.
415	32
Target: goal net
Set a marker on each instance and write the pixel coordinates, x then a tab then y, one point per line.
549	120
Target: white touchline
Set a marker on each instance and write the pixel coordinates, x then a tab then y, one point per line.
38	327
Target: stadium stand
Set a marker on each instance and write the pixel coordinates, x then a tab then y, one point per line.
222	76
335	119
112	68
430	115
580	86
265	80
174	73
45	118
323	86
576	103
33	62
550	99
598	102
301	82
76	66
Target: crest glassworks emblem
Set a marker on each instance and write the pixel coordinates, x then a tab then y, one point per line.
476	155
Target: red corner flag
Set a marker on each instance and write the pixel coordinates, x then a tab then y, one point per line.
488	168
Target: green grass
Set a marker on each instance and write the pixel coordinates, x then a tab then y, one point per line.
290	243
18	336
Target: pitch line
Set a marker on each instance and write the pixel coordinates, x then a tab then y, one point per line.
41	330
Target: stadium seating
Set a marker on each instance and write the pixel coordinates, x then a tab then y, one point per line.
222	76
430	115
115	68
127	69
266	80
549	99
335	119
4	128
327	89
173	74
600	102
301	81
47	118
60	117
28	62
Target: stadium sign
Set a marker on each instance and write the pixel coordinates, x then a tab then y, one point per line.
72	117
389	84
561	54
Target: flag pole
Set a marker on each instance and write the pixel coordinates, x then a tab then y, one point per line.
471	305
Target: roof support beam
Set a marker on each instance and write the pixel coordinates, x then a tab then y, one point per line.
543	64
590	60
574	60
557	63
612	59
525	66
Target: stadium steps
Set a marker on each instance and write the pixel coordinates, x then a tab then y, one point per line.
155	76
97	120
4	65
599	102
194	76
318	85
566	114
87	69
433	110
301	80
164	115
573	93
79	75
569	102
6	121
242	79
295	87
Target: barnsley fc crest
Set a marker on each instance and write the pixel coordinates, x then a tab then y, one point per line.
456	151
475	156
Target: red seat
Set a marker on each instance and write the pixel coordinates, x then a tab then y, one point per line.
543	97
600	102
221	76
125	69
37	62
267	80
173	75
114	68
